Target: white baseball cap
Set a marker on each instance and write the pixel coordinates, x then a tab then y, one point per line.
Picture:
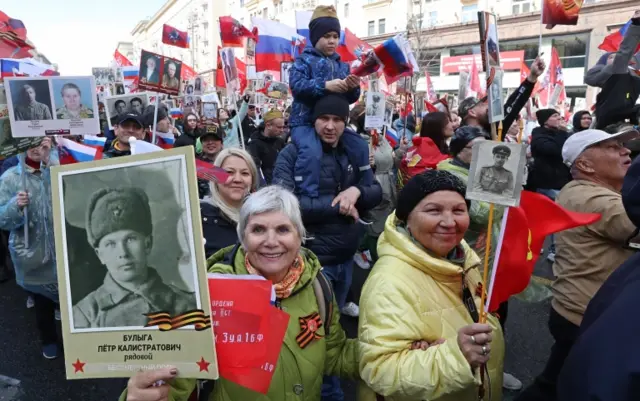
580	141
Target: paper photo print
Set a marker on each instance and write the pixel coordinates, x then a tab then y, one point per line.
277	90
285	68
52	105
488	24
123	104
230	69
497	172
209	112
159	73
495	95
10	146
104	75
131	270
375	110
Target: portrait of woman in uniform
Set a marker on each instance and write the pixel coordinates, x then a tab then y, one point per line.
497	172
138	231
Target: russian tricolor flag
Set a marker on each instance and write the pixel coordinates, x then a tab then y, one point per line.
77	153
397	58
24	67
391	136
130	73
165	139
612	42
277	43
95	141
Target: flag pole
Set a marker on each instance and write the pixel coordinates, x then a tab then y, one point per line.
487	251
541	19
235	102
155	117
25	210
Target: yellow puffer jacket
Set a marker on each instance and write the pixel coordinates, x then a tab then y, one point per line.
411	295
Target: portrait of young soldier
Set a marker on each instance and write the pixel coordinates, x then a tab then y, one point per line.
120	230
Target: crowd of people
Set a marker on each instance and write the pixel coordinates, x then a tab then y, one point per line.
314	195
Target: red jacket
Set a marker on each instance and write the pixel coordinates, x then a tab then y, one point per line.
423	155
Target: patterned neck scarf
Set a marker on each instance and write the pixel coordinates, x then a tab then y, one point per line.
286	286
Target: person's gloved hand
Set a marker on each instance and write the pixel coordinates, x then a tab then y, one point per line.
635	20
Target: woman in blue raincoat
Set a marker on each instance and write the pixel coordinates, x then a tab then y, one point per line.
25	191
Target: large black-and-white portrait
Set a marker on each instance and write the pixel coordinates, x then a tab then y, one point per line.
128	243
123	104
104	76
497	172
375	110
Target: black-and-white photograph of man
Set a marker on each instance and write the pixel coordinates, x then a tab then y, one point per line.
197	86
31	99
496	172
119	75
285	68
122	104
104	76
375	110
135	219
374	85
496	109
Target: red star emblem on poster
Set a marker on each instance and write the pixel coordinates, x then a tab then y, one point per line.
203	365
78	366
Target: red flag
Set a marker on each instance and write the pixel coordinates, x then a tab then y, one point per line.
432	96
553	78
209	172
560	12
13	38
220	72
173	37
233	33
612	42
242	74
351	47
121	60
429	107
523	237
474	80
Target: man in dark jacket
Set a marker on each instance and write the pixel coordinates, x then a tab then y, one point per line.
475	112
265	146
604	362
619	77
549	174
250	123
332	219
129	125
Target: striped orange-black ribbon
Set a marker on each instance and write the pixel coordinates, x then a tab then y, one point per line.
309	326
491	76
165	322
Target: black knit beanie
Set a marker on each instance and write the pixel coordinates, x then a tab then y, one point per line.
423	185
544	114
334	105
324	20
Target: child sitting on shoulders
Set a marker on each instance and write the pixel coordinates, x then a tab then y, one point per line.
317	72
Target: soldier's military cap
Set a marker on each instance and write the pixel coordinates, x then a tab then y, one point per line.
111	210
502	150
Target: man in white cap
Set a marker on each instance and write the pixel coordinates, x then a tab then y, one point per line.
586	255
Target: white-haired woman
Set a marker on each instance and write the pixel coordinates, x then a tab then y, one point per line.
220	210
271	235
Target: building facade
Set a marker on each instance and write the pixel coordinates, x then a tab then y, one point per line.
449	36
198	17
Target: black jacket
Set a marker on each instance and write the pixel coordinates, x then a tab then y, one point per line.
335	237
549	172
264	151
218	230
249	128
187	139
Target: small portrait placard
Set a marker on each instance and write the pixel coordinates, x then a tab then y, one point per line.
52	105
497	172
131	268
123	104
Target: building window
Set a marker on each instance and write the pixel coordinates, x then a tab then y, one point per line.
372	28
346	9
470	13
433	18
205	7
521	6
241	3
265	13
429	60
572	50
530	47
381	26
205	29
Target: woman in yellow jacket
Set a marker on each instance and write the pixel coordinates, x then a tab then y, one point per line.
425	286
